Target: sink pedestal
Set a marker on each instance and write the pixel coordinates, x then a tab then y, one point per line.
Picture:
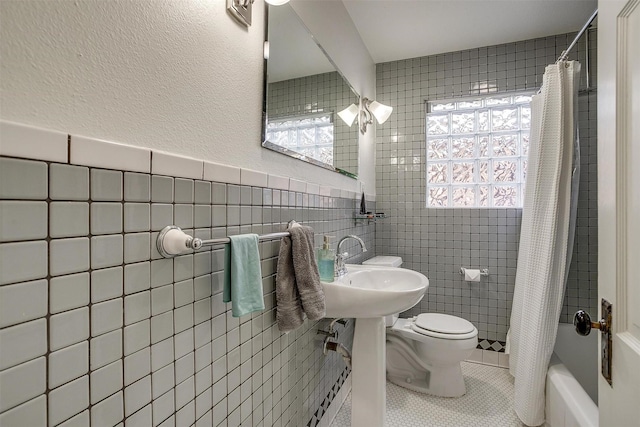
368	294
368	375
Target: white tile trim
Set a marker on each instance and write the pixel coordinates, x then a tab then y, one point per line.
173	165
253	178
24	141
297	185
313	188
278	182
109	155
347	194
29	142
221	173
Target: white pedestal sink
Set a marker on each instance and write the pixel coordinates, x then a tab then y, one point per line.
368	294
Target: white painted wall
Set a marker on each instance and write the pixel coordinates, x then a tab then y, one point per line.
180	76
331	25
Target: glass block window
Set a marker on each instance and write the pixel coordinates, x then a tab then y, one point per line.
309	135
477	151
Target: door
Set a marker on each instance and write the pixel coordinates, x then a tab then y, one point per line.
619	203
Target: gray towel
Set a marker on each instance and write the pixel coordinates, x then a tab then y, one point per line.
298	288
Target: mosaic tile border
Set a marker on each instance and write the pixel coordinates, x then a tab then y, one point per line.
492	345
324	406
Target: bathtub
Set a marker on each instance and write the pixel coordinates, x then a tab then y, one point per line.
572	380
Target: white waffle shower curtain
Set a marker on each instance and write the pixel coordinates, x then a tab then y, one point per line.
546	238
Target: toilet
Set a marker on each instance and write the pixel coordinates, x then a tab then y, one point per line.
425	351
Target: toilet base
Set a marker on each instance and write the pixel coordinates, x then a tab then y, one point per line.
405	369
441	381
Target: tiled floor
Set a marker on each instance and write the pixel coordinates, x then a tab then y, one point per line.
488	403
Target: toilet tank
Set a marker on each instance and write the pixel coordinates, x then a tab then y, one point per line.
384	261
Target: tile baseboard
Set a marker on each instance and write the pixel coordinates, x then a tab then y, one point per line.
489	357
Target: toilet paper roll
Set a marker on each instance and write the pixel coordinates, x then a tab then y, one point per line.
471	275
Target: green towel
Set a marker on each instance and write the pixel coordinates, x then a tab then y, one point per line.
243	275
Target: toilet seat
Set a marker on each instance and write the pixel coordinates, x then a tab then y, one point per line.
443	326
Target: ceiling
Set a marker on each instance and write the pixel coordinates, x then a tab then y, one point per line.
401	29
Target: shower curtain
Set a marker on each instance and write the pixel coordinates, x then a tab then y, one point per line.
546	238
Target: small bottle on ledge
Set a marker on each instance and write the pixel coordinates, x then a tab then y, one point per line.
363	205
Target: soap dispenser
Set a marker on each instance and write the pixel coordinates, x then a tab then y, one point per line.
326	260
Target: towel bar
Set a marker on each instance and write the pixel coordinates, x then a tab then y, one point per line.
172	241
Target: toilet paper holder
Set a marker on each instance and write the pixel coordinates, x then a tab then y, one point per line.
483	271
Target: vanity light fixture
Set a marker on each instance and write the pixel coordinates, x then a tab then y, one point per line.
241	9
369	110
349	114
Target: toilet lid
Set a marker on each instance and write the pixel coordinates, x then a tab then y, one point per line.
443	323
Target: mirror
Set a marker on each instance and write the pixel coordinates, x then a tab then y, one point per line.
304	93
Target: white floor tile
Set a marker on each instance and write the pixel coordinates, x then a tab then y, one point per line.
488	403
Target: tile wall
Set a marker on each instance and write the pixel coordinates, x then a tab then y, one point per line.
97	329
437	242
327	92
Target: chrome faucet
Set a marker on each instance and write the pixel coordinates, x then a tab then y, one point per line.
341	268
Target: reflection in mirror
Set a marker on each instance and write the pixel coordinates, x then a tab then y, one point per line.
304	93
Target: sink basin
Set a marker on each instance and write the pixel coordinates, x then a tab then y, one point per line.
367	292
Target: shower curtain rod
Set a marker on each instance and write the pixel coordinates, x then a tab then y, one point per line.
565	53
